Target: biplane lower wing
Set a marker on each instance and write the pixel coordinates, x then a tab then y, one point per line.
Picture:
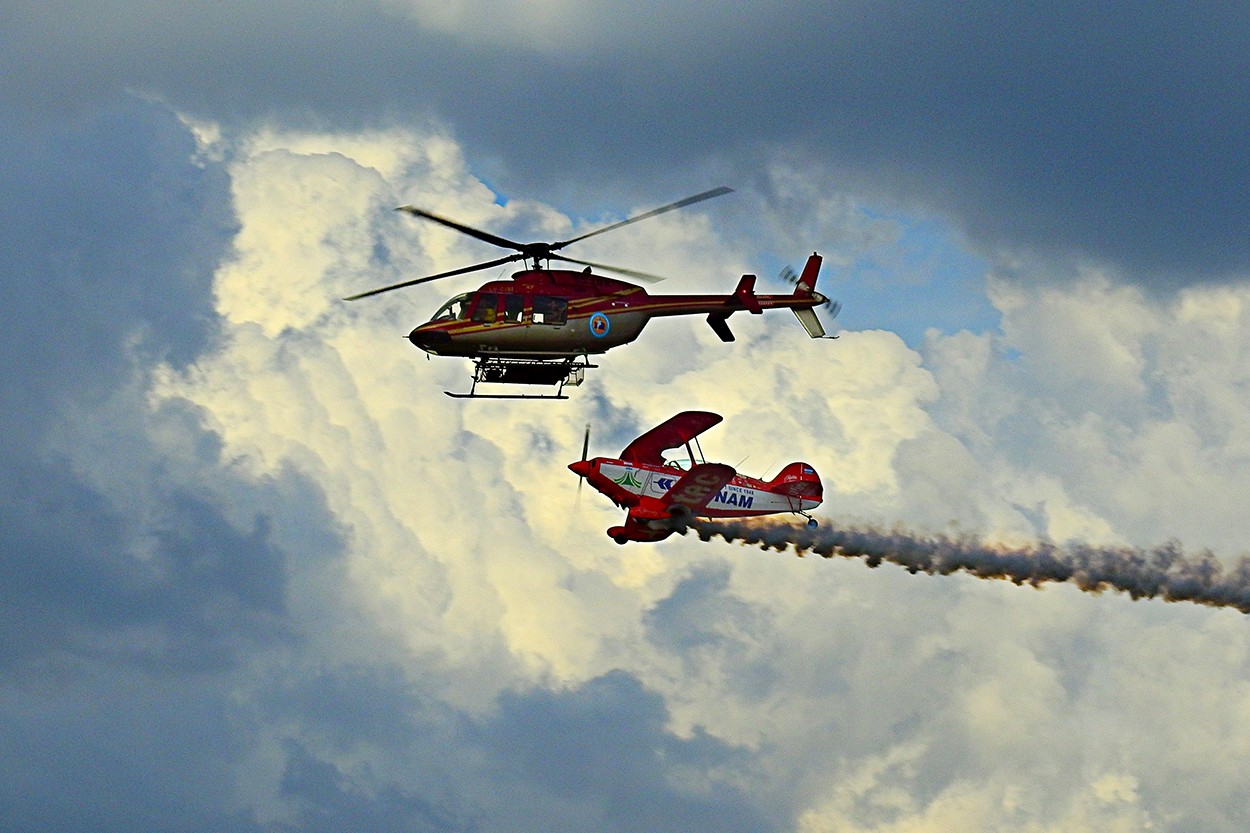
696	489
654	519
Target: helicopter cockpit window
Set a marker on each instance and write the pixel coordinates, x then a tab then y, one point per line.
457	307
512	306
548	310
487	302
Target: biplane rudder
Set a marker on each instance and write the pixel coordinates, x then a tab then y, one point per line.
798	480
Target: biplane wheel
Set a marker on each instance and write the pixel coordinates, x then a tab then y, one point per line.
620	539
811	523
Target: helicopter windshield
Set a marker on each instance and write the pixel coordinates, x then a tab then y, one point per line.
457	307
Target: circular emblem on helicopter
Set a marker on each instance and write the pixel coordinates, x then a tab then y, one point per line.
599	325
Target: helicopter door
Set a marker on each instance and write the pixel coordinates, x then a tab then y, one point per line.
484	312
550	311
513	306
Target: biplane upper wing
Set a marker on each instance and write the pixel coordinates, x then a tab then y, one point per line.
673	432
695	490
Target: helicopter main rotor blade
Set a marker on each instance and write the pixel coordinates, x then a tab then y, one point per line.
706	195
461	271
484	236
633	273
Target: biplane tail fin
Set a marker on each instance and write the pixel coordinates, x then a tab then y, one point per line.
798	480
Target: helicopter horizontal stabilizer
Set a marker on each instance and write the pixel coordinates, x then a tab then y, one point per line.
719	322
807	317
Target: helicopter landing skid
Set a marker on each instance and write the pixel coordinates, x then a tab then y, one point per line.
491	370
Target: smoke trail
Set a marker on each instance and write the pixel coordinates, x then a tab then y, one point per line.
1163	572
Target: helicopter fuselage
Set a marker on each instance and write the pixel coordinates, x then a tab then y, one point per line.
555	313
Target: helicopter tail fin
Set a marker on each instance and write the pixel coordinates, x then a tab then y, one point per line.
805	287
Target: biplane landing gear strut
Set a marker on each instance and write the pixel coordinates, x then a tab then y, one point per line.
494	370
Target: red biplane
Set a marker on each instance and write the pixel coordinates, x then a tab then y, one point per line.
541	327
661	496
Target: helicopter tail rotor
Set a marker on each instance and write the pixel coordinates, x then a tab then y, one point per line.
792	277
805	289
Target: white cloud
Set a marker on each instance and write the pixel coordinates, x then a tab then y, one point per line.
1111	415
863	699
1106	805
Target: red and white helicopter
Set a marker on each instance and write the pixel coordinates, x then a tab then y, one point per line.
661	496
541	326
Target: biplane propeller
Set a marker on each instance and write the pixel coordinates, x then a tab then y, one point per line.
541	326
661	497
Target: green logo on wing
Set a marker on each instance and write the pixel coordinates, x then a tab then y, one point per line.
628	480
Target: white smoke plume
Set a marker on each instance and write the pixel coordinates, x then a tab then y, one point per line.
1163	572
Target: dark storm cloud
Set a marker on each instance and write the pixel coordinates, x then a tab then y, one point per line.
601	758
327	799
111	238
73	583
115	750
110	233
124	615
688	618
705	624
1108	131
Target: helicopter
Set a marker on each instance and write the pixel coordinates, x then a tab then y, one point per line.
661	497
542	326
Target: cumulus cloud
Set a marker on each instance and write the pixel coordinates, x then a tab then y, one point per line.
516	574
379	606
1142	397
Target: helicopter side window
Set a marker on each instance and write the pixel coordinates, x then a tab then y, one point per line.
487	303
513	304
549	310
455	308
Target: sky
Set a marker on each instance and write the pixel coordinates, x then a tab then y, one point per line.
258	574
